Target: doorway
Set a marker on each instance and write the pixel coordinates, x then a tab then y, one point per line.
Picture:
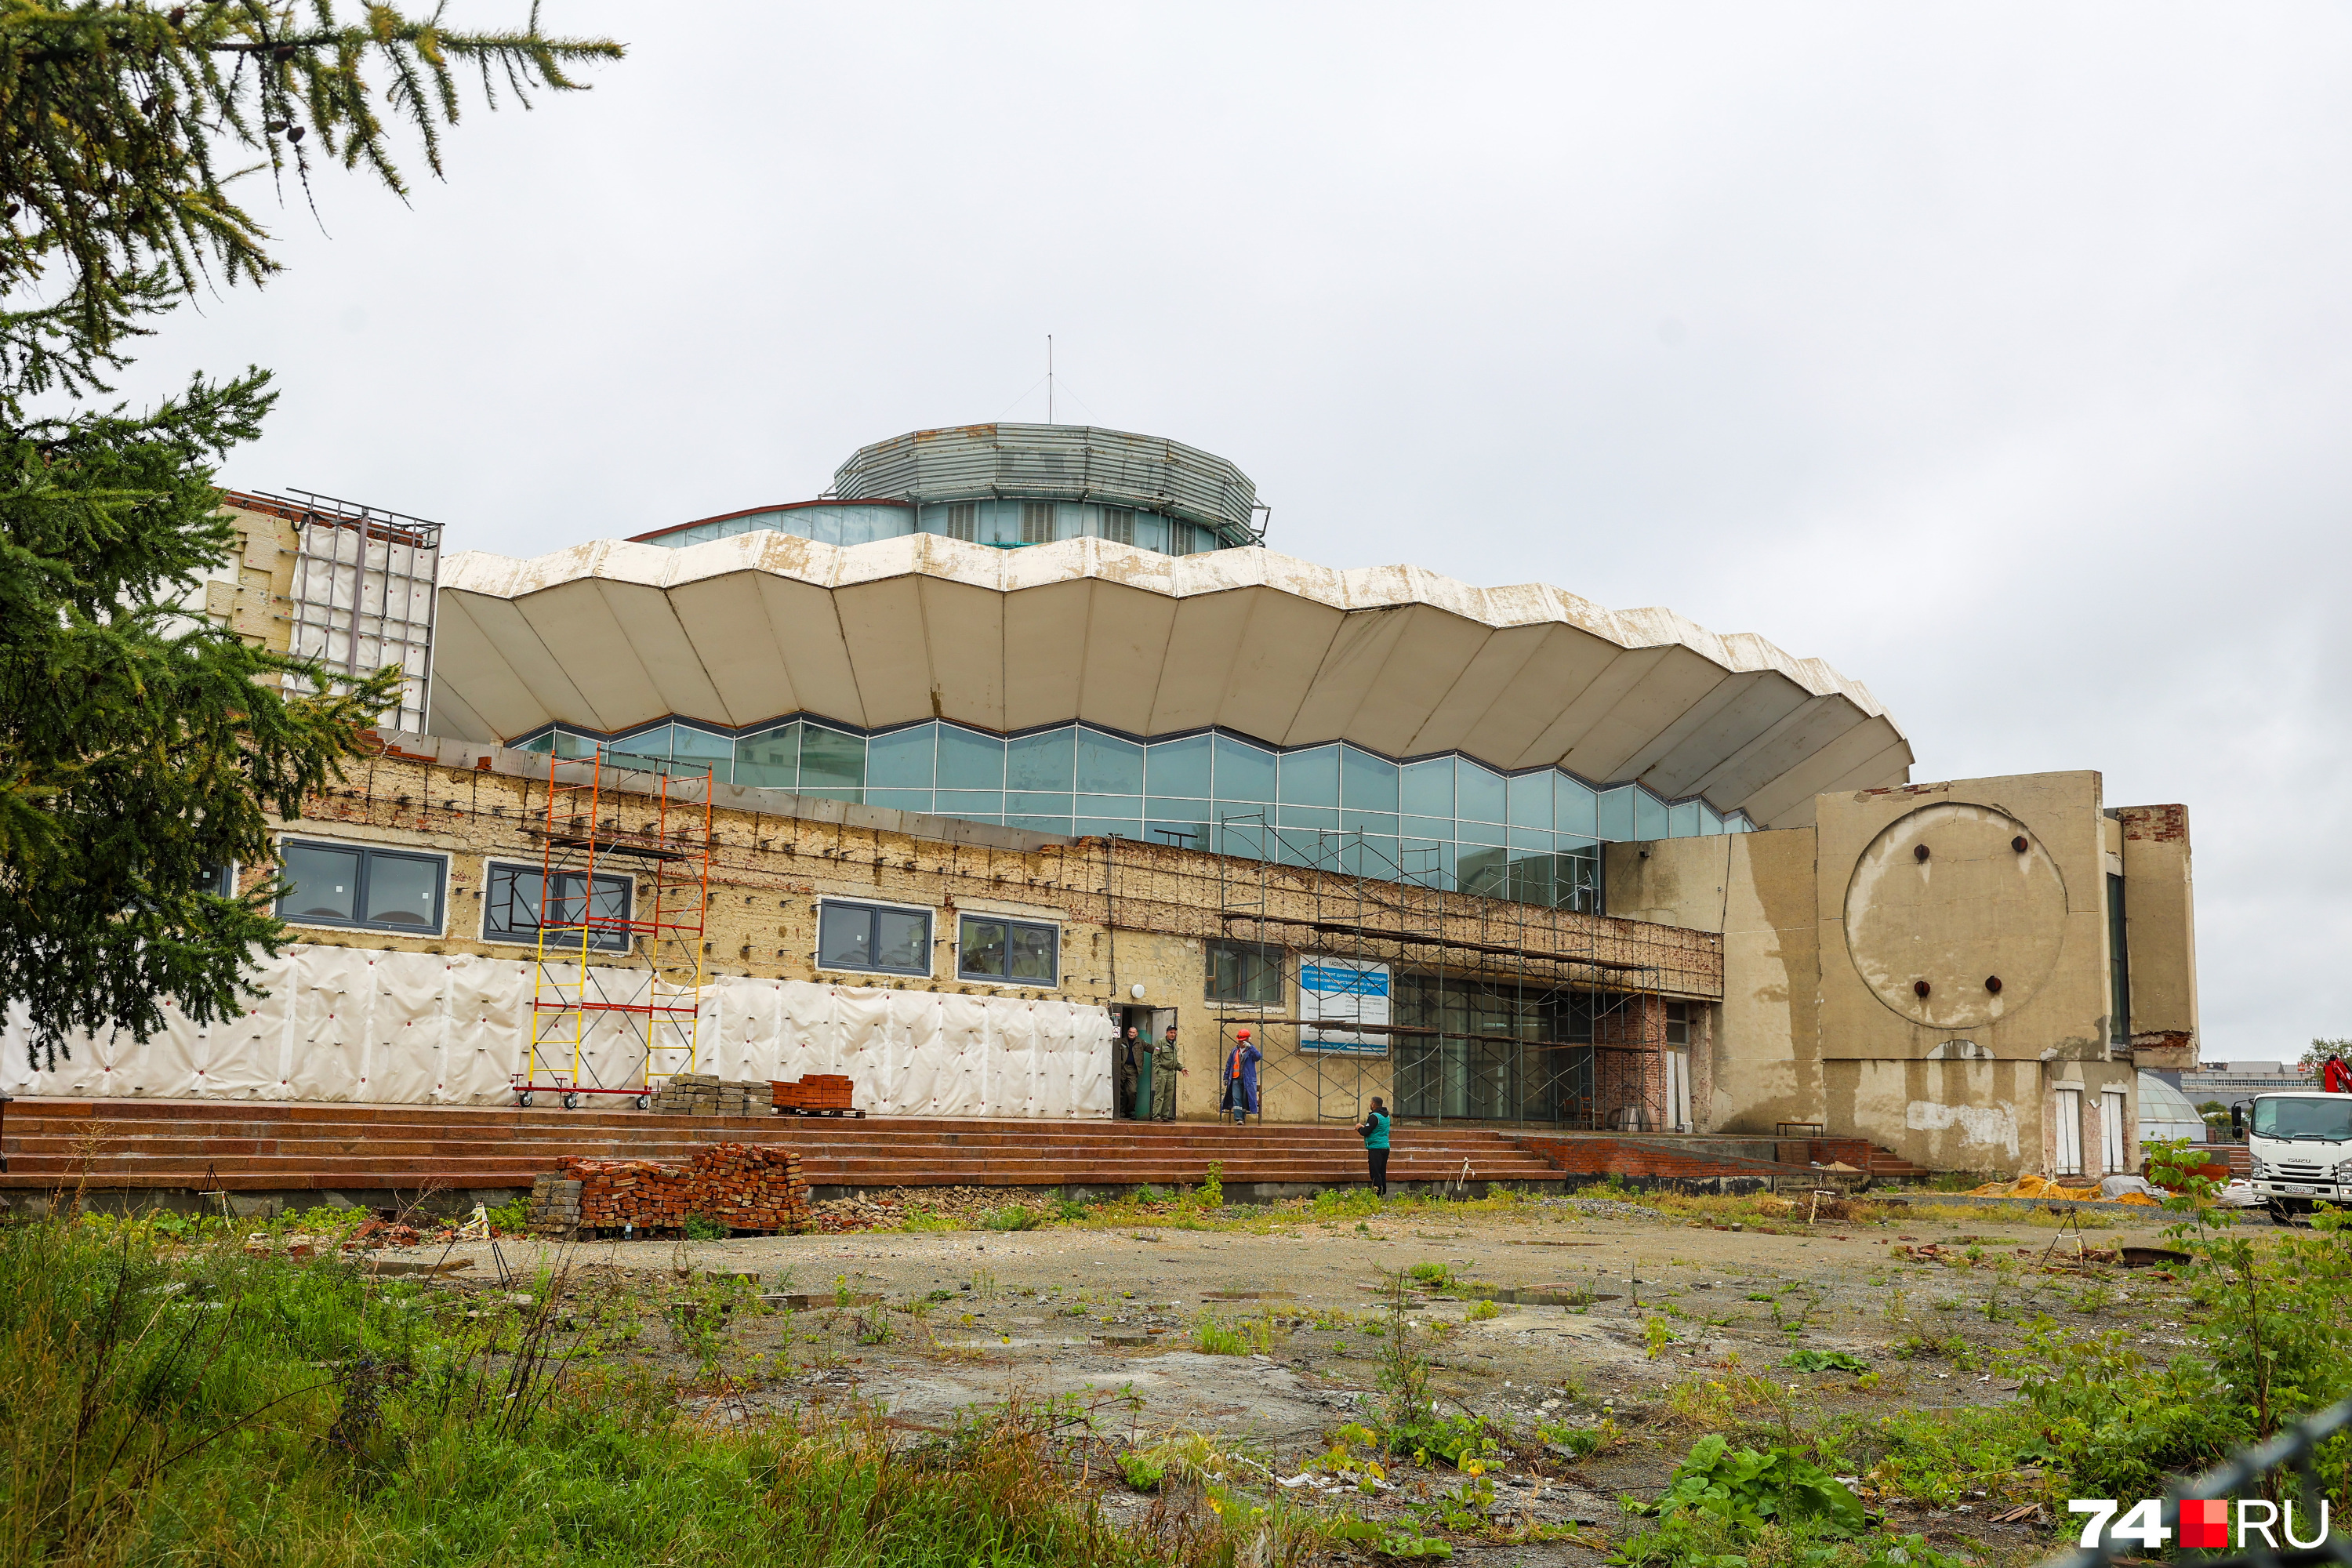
1149	1024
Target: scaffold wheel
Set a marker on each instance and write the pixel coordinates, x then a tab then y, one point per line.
570	1100
523	1097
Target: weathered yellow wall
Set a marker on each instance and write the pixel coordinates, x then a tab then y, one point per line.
2159	912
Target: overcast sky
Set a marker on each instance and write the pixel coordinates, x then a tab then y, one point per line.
1995	353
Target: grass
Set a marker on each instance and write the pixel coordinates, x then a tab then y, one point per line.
194	1404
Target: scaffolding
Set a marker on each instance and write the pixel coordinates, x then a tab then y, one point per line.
363	594
1449	1005
620	903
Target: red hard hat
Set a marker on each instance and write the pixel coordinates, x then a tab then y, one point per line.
1244	1035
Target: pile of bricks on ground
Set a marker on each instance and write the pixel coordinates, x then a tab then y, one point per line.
705	1094
815	1091
740	1185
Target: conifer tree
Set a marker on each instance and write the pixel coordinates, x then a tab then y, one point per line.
139	750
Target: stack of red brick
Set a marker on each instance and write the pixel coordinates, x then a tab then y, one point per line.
740	1185
815	1092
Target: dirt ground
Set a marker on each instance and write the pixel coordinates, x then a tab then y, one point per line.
1113	1313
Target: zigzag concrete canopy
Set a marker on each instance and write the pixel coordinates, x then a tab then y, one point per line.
739	631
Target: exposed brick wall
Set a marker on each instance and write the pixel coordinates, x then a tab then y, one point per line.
2159	824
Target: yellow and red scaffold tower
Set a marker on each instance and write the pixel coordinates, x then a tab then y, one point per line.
620	903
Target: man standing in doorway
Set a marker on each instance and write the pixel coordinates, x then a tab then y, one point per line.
1130	1074
1374	1128
1164	1071
1241	1078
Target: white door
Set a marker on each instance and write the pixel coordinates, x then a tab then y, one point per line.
1678	1086
2111	1151
2068	1118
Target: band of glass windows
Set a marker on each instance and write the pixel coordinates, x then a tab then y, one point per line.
1445	822
1005	524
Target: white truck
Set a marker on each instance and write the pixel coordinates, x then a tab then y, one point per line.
2301	1144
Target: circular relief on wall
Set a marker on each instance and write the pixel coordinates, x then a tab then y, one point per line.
1928	931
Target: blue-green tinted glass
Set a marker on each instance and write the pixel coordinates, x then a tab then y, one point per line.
1531	800
569	745
1427	827
1181	808
1383	822
1574	808
1428	788
1737	823
1531	838
1428	861
902	759
1532	878
899	799
1323	817
701	745
1479	832
831	761
1109	828
1377	858
1178	767
1649	815
1043	760
1617	813
770	759
1111	805
1367	783
1484	871
1477	793
1710	821
653	742
1177	834
1575	843
1037	802
1107	765
969	760
1039	823
1311	777
1682	819
971	805
1243	772
543	743
1250	838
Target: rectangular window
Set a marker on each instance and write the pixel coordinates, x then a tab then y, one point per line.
1678	1024
515	899
2112	1141
2118	964
874	937
1037	523
1009	952
218	880
373	890
1246	971
1118	524
2067	1114
963	522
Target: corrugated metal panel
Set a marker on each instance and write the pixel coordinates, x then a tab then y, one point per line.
1059	462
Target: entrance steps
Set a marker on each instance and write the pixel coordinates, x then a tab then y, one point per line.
282	1147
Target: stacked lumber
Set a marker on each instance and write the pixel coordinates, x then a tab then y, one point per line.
705	1094
815	1092
743	1186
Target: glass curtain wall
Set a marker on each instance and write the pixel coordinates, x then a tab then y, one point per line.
1007	524
1503	1052
1446	821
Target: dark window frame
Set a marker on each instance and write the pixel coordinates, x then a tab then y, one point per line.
967	919
1273	956
222	878
598	940
369	854
873	910
1670	1021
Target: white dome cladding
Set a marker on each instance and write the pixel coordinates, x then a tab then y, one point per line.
741	631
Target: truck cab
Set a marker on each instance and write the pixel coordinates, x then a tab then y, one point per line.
2301	1146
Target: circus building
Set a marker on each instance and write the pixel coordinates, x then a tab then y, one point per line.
1022	737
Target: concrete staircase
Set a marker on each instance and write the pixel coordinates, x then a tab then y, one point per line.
108	1145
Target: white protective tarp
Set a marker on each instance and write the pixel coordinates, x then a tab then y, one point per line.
417	1029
